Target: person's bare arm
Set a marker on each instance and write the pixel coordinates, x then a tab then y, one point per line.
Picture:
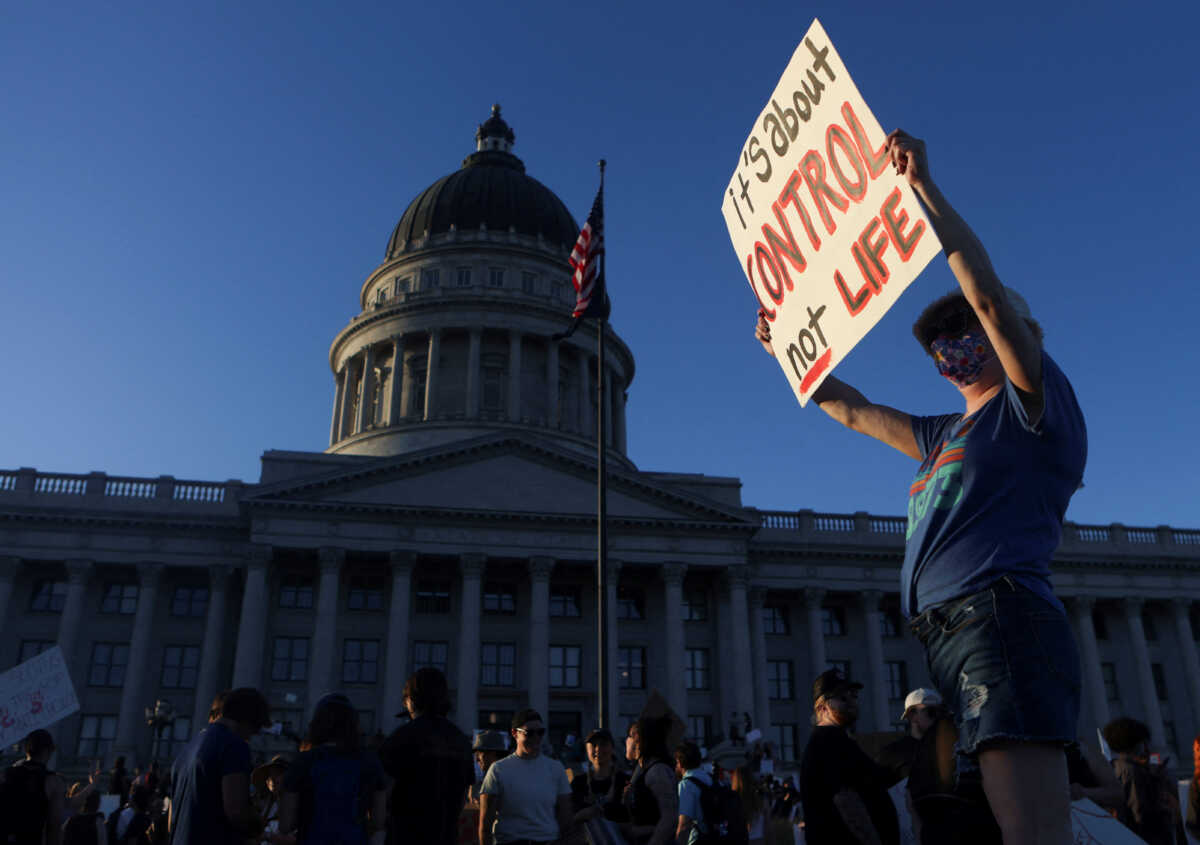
853	410
682	829
56	794
487	818
854	813
235	801
1019	350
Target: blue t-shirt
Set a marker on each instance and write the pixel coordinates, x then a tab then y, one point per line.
196	786
991	493
689	801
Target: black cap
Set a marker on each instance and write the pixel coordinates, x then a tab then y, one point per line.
831	681
526	715
598	736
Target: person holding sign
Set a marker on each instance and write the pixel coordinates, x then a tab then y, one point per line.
985	515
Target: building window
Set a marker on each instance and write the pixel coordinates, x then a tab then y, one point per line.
699	729
493	391
1160	680
360	661
528	283
785	741
1148	626
1109	672
695	606
631	667
433	597
842	666
631	604
431	278
381	295
695	667
96	735
1099	623
889	623
174	737
896	674
463	277
430	653
403	284
297	594
564	666
565	601
48	596
289	659
559	291
779	680
562	724
32	648
416	386
774	619
108	664
499	598
833	621
365	594
119	598
189	601
495	277
1169	734
497	665
180	665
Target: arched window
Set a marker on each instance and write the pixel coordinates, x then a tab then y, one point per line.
493	393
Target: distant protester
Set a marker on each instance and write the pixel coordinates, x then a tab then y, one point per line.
651	796
32	798
87	826
1148	807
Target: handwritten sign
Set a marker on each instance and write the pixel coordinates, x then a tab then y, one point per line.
35	694
827	233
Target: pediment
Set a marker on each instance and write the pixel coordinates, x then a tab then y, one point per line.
506	474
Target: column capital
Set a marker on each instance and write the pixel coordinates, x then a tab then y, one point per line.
540	567
1083	604
614	571
218	576
149	574
736	576
78	570
673	573
331	558
758	597
259	556
1183	603
472	565
871	599
10	565
402	561
813	597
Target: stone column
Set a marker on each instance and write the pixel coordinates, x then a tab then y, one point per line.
758	646
252	629
474	372
366	387
129	718
1181	607
324	640
737	580
1093	677
552	383
431	372
514	376
585	379
208	682
335	433
813	598
467	711
1141	660
9	567
613	681
540	568
673	637
877	680
396	394
346	425
78	573
396	672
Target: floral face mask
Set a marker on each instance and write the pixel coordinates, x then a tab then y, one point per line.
962	359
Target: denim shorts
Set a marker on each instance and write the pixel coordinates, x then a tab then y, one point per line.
1006	663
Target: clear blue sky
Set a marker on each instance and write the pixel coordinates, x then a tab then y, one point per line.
193	194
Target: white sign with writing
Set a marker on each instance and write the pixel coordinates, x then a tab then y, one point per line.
35	694
826	232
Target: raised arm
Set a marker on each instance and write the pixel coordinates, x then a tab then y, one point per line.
853	410
1016	345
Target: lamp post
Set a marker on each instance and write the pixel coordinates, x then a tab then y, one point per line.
161	716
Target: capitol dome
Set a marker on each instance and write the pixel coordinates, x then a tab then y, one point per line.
453	339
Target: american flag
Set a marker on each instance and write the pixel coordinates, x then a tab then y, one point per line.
587	260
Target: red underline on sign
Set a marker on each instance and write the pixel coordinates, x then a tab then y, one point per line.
815	371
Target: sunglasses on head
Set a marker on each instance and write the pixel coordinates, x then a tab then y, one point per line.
952	323
532	731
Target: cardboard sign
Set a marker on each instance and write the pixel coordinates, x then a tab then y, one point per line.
826	232
35	694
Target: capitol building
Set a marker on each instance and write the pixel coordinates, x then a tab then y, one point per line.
450	522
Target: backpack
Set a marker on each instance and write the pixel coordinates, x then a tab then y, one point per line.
81	830
24	807
723	816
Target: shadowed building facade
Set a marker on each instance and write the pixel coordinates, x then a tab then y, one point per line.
450	522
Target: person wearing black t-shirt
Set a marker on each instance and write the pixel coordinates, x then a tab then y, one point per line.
843	791
597	792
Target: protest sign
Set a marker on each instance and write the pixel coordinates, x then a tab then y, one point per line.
827	233
35	694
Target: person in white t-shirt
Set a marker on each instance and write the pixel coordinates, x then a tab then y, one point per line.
525	797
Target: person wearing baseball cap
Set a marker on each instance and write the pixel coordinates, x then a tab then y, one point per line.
597	792
843	791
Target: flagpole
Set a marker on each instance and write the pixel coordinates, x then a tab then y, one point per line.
603	716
